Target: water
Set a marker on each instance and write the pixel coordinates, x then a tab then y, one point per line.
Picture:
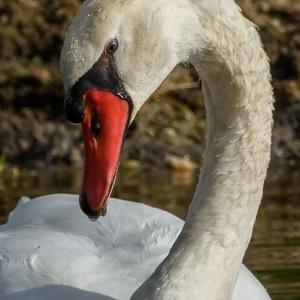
274	253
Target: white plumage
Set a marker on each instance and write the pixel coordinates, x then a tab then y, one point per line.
50	250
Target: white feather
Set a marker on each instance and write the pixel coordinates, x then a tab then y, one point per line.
50	250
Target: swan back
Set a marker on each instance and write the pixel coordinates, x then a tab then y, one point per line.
49	247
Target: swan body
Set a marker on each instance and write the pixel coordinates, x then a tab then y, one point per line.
115	55
50	250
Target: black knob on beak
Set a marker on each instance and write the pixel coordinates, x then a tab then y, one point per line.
74	109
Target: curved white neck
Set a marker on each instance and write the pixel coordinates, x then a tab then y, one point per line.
204	262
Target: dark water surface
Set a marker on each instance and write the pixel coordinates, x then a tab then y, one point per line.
274	253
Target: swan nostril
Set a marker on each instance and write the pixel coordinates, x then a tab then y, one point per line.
95	126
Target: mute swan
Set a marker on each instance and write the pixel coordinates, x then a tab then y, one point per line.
115	55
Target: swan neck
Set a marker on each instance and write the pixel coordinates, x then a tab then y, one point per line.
206	258
239	108
238	101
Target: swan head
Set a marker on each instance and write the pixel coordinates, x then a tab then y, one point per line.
115	55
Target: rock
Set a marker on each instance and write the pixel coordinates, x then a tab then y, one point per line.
182	164
131	164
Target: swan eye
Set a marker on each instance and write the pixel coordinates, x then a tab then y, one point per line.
112	46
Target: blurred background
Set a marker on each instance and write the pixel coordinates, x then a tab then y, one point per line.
41	153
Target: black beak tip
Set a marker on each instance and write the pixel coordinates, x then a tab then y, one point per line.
92	215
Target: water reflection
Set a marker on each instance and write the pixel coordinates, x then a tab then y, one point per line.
274	254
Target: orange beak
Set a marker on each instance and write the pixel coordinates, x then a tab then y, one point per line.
104	125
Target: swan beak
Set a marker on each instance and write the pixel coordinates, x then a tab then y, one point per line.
104	125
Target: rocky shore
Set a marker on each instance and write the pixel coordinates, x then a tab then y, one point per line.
33	132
